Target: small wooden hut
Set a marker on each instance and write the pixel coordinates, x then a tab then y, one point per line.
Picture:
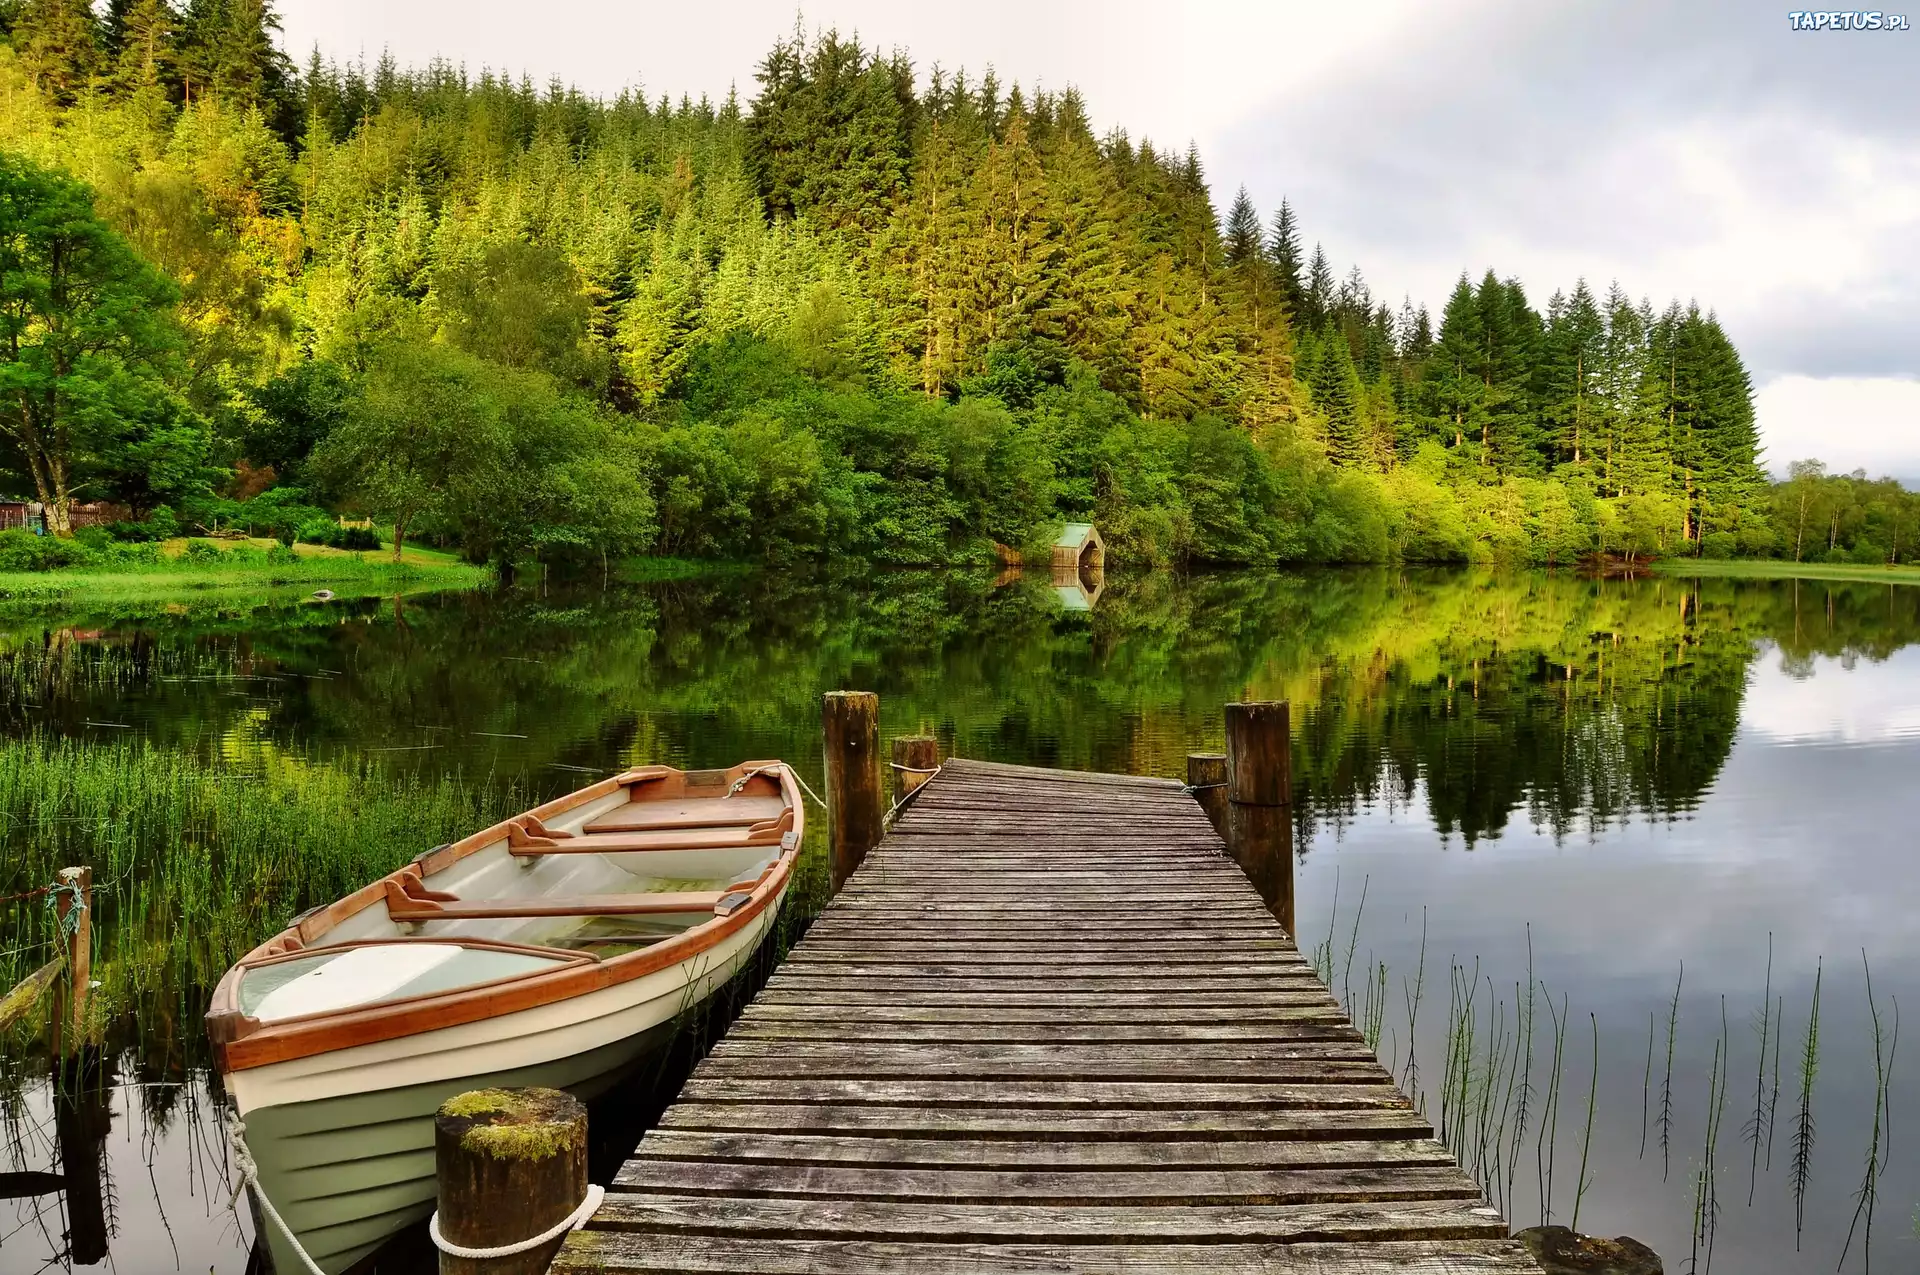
1079	548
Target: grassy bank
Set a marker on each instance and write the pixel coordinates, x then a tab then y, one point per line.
182	566
1775	569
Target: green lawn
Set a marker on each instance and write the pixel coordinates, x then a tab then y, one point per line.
1775	569
371	571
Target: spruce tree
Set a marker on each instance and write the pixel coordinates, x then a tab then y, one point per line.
1243	231
142	35
1336	392
1283	250
1316	306
59	42
1570	361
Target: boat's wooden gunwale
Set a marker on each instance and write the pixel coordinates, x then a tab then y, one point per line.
240	1042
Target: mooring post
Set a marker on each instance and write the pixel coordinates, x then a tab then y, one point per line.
856	795
1260	802
1207	780
74	905
914	757
511	1164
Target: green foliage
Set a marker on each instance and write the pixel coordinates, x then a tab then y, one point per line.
25	551
863	313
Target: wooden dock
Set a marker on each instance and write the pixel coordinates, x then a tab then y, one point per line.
1048	1027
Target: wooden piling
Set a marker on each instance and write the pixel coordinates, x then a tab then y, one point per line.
914	757
1260	802
1207	778
75	910
856	794
511	1163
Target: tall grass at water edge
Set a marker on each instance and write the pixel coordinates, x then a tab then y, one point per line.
196	861
1490	1100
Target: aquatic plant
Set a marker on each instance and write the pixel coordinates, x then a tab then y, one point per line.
1666	1082
1586	1141
1755	1130
1884	1048
1803	1127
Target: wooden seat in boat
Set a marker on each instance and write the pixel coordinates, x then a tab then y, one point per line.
403	905
526	835
737	811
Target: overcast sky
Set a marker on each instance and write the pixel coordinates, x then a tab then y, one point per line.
1700	150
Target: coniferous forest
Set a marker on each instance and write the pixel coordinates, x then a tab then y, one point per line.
857	308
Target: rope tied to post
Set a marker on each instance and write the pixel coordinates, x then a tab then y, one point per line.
571	1222
69	923
741	782
886	820
1189	789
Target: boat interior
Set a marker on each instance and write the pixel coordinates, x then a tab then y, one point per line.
614	869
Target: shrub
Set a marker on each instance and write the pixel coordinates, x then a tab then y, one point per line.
1837	554
23	551
1718	544
1868	554
201	551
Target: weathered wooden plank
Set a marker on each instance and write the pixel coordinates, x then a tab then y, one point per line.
1143	1189
852	1016
1047	971
1040	1224
1113	1095
1211	1124
1008	1153
1128	1031
1154	1000
623	1252
1065	1058
1314	1067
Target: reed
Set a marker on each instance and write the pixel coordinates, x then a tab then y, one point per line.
1754	1131
1547	1141
1583	1182
1410	1073
1885	1046
1523	1099
1716	1112
1803	1127
1353	943
1646	1084
196	860
1666	1082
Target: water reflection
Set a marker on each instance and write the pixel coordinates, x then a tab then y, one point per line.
1643	772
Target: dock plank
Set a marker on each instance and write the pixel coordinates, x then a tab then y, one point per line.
1048	1028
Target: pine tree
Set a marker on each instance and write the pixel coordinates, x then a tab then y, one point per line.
1283	249
1336	393
1243	231
1456	390
1571	359
1316	306
142	34
59	42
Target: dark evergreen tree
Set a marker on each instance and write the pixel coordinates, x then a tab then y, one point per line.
1316	306
59	42
1243	230
1336	392
1571	359
1283	249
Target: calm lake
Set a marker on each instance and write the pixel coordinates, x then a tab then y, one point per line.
1547	791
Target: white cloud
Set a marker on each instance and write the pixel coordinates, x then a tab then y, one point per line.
1872	423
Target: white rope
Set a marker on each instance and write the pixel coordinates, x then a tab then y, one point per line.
887	819
249	1174
571	1222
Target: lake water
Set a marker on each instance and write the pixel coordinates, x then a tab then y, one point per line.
1568	785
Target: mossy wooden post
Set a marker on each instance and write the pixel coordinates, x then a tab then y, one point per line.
856	795
1207	777
511	1163
1260	802
75	907
913	757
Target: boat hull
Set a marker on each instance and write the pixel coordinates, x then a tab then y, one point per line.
344	1141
